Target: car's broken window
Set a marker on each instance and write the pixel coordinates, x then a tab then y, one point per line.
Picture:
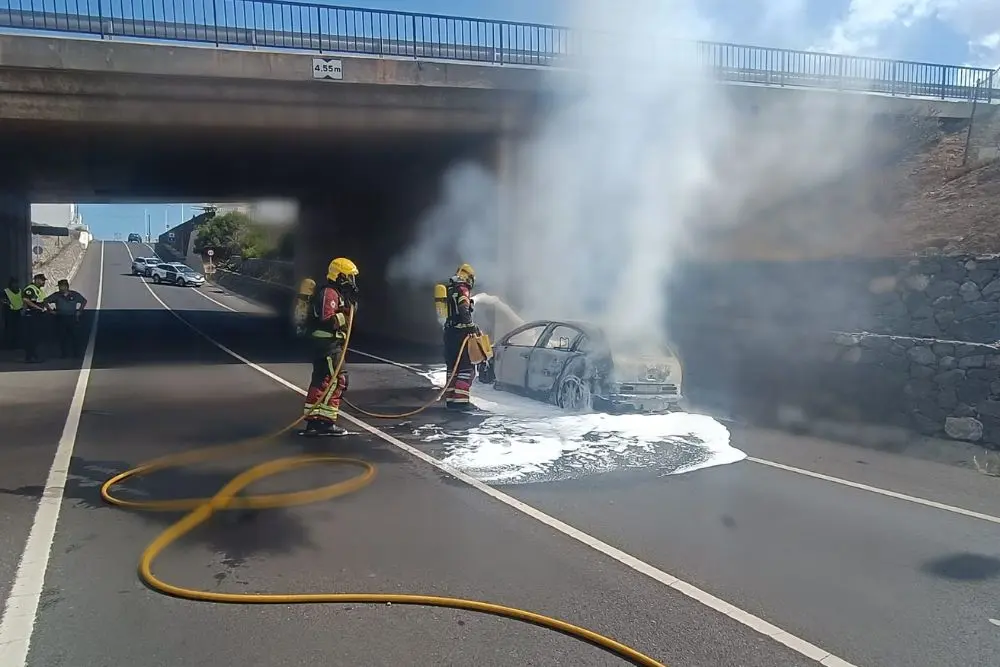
562	338
526	338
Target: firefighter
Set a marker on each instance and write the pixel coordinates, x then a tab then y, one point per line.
326	327
457	327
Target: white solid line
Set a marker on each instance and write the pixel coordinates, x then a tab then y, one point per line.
218	303
412	369
773	464
753	622
18	620
881	492
995	621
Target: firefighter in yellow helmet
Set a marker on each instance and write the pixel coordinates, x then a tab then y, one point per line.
458	325
326	327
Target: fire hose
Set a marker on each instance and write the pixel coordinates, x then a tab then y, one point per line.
200	510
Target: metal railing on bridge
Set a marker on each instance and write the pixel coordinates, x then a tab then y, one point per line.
285	24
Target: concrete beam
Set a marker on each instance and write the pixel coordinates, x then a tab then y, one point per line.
241	116
216	63
751	98
31	52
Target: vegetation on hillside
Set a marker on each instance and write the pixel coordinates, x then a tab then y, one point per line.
235	233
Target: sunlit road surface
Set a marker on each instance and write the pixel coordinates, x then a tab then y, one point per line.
854	574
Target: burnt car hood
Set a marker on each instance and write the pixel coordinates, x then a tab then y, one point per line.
646	366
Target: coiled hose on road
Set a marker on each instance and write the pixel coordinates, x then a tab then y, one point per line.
200	510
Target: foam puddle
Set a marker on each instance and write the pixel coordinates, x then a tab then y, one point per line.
523	441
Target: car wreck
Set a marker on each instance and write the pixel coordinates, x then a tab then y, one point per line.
575	366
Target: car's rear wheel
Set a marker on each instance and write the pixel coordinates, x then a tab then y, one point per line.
156	279
574	394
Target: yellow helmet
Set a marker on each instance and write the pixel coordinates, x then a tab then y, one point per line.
341	266
307	287
467	273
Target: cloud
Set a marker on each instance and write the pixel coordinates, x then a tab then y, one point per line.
880	27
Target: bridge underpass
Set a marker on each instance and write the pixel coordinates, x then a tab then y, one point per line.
359	196
364	158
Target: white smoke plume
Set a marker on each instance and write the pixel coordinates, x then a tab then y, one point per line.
649	157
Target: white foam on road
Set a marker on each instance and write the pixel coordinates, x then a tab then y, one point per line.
522	440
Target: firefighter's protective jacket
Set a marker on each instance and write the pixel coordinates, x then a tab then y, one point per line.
460	306
328	311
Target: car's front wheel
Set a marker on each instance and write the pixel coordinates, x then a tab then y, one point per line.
574	394
180	282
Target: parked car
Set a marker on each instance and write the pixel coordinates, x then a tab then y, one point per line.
143	266
176	273
134	238
574	366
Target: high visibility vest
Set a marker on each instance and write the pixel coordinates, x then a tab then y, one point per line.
14	298
33	292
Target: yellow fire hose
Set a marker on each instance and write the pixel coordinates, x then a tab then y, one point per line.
403	415
200	510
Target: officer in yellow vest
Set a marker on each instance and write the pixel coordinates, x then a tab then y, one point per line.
33	299
12	304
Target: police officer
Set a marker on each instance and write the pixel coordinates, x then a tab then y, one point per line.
68	306
33	298
457	328
12	305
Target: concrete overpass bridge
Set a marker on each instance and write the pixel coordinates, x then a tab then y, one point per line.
354	112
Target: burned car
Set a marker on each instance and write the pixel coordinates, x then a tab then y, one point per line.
574	366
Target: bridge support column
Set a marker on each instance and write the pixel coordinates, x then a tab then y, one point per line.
15	239
371	226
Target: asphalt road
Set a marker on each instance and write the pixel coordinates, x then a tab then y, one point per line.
874	580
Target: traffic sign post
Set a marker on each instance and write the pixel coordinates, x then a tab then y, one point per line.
211	253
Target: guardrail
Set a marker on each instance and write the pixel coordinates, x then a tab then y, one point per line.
285	24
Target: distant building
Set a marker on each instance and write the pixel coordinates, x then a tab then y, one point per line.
56	215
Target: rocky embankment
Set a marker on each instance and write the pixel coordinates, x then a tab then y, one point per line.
60	256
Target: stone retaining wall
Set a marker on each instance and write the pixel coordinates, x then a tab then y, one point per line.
795	379
955	297
59	263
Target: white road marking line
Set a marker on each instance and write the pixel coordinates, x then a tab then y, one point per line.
218	303
995	621
773	464
21	607
755	623
782	466
880	491
412	369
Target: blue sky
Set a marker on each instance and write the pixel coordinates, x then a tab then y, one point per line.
947	31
